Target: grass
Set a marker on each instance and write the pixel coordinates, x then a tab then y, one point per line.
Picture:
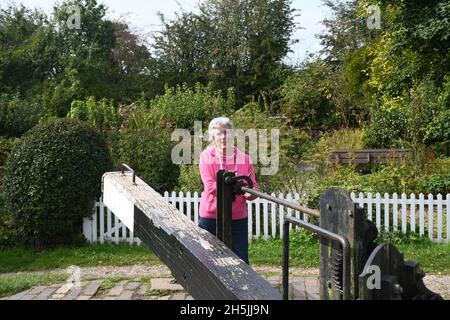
25	259
110	283
14	283
158	293
304	252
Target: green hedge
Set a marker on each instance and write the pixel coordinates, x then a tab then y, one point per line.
52	177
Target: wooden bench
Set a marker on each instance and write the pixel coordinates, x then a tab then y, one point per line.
201	263
368	156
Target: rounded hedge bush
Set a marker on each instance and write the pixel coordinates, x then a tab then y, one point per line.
52	177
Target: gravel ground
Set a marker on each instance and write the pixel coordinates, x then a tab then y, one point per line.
437	283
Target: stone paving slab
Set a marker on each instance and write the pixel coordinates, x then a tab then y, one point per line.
46	293
37	290
300	288
18	296
92	288
72	294
142	289
164	284
116	291
64	288
126	295
132	285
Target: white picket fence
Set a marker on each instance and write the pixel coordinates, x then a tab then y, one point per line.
420	214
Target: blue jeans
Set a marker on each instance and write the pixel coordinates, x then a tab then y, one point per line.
239	238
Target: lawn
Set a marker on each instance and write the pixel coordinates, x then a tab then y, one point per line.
123	254
304	252
13	283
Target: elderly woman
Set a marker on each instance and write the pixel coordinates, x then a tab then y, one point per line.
222	154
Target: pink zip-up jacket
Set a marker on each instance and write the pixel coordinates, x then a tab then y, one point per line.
209	165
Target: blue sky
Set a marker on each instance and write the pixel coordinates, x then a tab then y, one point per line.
142	15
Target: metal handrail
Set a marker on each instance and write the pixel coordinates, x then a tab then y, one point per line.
283	202
129	169
323	232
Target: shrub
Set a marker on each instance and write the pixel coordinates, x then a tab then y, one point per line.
387	128
293	144
179	107
17	116
306	96
148	152
53	175
189	179
6	144
343	139
7	235
101	114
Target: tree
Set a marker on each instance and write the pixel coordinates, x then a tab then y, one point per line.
306	95
230	43
346	31
27	56
130	62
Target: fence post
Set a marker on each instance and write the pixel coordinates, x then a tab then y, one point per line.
102	221
281	215
250	220
395	211
196	207
430	216
403	202
87	229
378	210
413	212
273	208
421	214
369	205
447	221
386	212
439	217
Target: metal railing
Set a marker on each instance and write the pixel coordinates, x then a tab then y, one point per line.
228	185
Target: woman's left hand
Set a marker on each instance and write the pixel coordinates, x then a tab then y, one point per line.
249	196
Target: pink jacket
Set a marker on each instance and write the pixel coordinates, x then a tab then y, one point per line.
209	166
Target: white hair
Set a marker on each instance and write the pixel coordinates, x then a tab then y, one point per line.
221	122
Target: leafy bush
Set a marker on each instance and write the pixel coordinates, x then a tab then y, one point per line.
180	106
306	96
189	179
343	139
101	114
6	145
7	234
387	128
17	116
148	152
53	175
293	144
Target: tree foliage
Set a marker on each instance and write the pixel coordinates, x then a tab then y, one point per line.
230	43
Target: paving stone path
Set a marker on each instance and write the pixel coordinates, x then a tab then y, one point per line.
154	283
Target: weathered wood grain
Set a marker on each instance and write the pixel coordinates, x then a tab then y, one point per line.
201	263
